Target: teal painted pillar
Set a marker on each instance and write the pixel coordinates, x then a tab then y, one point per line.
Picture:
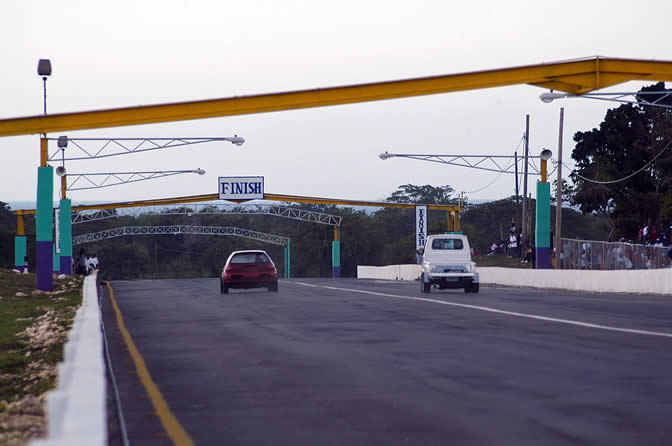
44	216
336	258
20	251
57	260
65	237
542	232
288	260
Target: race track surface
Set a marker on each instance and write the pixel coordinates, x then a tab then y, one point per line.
365	362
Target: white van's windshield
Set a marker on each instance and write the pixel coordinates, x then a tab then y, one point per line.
447	243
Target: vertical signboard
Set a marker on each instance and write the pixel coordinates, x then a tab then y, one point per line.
420	226
57	229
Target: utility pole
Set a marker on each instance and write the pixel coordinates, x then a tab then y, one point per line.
525	202
515	156
156	269
558	194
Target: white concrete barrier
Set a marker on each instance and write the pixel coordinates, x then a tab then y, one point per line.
647	281
390	272
654	281
76	411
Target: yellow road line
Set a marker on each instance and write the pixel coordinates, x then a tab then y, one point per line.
173	427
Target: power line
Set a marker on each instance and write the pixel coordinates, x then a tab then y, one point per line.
500	173
624	178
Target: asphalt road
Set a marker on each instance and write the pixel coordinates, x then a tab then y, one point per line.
320	363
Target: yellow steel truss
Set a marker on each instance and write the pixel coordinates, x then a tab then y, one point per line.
575	77
271	197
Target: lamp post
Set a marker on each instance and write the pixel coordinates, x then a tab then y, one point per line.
44	208
639	97
492	163
63	246
62	250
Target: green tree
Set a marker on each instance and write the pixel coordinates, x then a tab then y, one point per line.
427	194
622	167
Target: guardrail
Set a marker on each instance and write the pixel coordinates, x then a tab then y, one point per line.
592	255
76	409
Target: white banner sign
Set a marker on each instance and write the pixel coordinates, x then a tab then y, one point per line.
420	226
57	229
241	188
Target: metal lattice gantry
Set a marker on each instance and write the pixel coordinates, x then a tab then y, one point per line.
92	148
86	181
649	98
492	163
180	229
210	209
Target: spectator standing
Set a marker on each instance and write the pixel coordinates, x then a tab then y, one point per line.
513	245
82	263
93	262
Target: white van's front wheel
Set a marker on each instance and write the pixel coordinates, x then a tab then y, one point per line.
424	286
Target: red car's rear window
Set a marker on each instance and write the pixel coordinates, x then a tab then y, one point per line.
250	258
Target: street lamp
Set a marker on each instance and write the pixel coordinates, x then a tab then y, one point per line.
123	146
543	225
44	70
639	98
44	241
117	178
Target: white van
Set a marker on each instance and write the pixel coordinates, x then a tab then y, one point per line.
446	263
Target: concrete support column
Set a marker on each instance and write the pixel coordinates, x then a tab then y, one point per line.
542	232
19	252
56	262
287	260
336	253
44	216
65	235
336	258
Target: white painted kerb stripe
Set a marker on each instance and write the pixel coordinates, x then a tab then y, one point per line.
495	310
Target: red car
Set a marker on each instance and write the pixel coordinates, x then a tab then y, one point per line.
249	269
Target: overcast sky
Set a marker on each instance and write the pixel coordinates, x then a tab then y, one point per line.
130	52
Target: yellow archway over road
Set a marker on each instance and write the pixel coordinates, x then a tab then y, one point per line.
575	77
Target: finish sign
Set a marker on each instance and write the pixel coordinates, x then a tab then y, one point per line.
420	226
241	188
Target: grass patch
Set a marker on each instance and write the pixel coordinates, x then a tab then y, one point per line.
500	260
24	359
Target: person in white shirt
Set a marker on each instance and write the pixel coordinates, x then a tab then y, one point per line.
513	245
93	262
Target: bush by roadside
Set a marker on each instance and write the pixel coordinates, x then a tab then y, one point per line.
33	329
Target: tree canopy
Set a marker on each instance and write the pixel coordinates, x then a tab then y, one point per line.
380	237
622	167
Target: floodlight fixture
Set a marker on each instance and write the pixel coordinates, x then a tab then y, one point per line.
62	142
550	96
44	67
237	140
546	154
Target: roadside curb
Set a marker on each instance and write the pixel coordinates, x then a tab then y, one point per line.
76	409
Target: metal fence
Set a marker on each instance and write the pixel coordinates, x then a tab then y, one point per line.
587	254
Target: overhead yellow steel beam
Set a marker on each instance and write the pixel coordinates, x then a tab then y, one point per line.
575	77
270	197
